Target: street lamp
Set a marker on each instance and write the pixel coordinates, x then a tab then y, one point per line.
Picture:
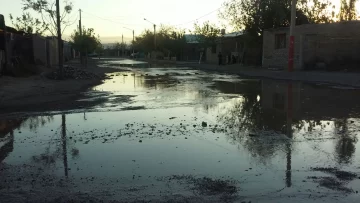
154	31
133	41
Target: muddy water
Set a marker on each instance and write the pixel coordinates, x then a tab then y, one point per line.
176	134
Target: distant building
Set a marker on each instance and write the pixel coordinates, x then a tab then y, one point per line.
234	44
317	46
193	49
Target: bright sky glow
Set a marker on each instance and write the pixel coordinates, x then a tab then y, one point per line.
108	17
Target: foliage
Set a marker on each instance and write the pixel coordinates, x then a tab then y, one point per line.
207	33
347	10
318	11
145	42
47	11
120	46
29	25
256	16
168	40
88	42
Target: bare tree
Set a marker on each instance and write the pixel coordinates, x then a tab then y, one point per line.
28	24
47	11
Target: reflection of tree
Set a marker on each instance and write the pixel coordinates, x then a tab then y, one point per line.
157	82
245	116
345	143
33	123
59	150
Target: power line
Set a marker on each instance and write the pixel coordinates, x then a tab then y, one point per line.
109	19
199	17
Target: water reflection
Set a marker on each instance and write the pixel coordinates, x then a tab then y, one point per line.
33	123
267	125
57	148
194	125
345	142
7	128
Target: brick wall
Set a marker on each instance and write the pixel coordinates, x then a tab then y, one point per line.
331	44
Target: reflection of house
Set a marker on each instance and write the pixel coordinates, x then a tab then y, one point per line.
7	137
309	102
316	46
234	44
281	97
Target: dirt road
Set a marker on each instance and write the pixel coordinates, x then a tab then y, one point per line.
40	93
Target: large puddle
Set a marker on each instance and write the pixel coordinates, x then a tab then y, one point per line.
187	135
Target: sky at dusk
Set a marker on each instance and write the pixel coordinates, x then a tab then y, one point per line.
109	17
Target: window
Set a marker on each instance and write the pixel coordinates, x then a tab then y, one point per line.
213	49
280	41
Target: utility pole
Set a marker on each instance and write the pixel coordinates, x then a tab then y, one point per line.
80	27
60	46
80	32
122	45
133	40
155	36
292	37
154	32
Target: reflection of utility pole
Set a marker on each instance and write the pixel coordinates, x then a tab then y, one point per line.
63	136
289	133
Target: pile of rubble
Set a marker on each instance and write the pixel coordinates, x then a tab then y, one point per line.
73	73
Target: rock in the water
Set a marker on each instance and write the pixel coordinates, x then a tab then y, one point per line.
204	124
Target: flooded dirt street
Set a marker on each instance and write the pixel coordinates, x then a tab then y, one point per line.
165	134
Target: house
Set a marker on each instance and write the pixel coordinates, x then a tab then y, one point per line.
326	46
234	44
193	49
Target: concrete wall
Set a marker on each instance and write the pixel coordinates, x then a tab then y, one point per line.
237	46
329	44
212	57
52	54
191	52
39	46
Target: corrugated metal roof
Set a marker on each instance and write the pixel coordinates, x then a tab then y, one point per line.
191	39
234	34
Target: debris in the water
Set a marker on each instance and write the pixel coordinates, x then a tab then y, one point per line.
72	73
